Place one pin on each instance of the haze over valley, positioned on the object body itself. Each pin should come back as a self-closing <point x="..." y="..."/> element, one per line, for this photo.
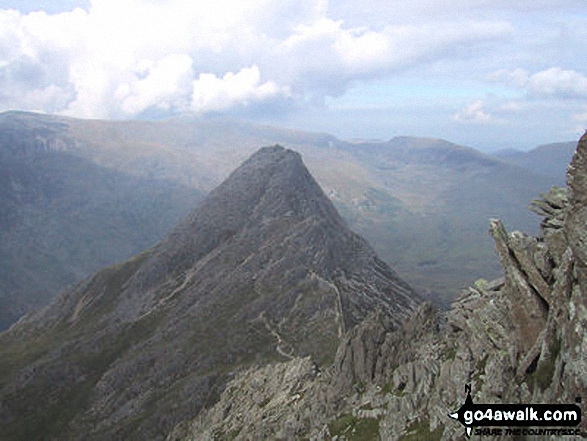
<point x="81" y="194"/>
<point x="263" y="303"/>
<point x="321" y="220"/>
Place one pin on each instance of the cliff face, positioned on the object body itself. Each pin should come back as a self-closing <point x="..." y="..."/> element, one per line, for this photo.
<point x="263" y="270"/>
<point x="63" y="217"/>
<point x="78" y="195"/>
<point x="521" y="339"/>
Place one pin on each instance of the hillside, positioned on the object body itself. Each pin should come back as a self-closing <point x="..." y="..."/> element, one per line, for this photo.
<point x="427" y="211"/>
<point x="421" y="203"/>
<point x="549" y="159"/>
<point x="520" y="339"/>
<point x="263" y="270"/>
<point x="63" y="216"/>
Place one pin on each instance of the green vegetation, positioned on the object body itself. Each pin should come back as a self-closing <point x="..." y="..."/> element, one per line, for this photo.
<point x="62" y="402"/>
<point x="121" y="185"/>
<point x="230" y="436"/>
<point x="476" y="377"/>
<point x="425" y="231"/>
<point x="420" y="431"/>
<point x="449" y="352"/>
<point x="396" y="392"/>
<point x="63" y="399"/>
<point x="65" y="216"/>
<point x="52" y="419"/>
<point x="480" y="284"/>
<point x="107" y="285"/>
<point x="265" y="402"/>
<point x="542" y="376"/>
<point x="103" y="290"/>
<point x="355" y="429"/>
<point x="388" y="388"/>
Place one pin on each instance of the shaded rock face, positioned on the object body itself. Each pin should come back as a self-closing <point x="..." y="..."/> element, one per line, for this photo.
<point x="519" y="339"/>
<point x="271" y="221"/>
<point x="264" y="270"/>
<point x="63" y="217"/>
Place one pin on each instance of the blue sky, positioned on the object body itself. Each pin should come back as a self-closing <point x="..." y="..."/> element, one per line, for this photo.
<point x="488" y="74"/>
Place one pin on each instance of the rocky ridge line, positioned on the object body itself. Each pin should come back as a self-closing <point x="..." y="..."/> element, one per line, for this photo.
<point x="520" y="339"/>
<point x="263" y="270"/>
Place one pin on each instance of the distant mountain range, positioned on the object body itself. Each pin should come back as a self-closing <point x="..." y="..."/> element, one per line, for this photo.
<point x="264" y="270"/>
<point x="63" y="216"/>
<point x="512" y="341"/>
<point x="76" y="195"/>
<point x="549" y="159"/>
<point x="263" y="316"/>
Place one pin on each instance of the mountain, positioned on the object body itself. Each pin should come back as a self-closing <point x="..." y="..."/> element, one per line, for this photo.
<point x="520" y="339"/>
<point x="426" y="210"/>
<point x="548" y="159"/>
<point x="264" y="270"/>
<point x="421" y="203"/>
<point x="63" y="217"/>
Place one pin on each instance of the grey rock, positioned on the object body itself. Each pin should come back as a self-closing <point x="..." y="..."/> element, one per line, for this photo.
<point x="264" y="270"/>
<point x="520" y="339"/>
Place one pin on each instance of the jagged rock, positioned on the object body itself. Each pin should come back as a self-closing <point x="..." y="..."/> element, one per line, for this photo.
<point x="264" y="270"/>
<point x="576" y="217"/>
<point x="524" y="282"/>
<point x="520" y="339"/>
<point x="254" y="401"/>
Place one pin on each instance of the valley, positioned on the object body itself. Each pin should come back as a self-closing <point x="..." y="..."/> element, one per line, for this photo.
<point x="81" y="194"/>
<point x="263" y="302"/>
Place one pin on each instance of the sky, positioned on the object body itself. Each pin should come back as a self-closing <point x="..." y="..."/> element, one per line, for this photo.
<point x="489" y="74"/>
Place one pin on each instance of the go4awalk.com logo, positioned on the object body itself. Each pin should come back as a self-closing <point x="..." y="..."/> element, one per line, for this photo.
<point x="515" y="419"/>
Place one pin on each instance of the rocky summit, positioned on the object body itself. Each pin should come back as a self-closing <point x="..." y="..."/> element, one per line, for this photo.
<point x="262" y="317"/>
<point x="518" y="339"/>
<point x="263" y="273"/>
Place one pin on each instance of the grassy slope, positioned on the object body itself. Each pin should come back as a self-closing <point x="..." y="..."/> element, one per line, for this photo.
<point x="548" y="159"/>
<point x="425" y="206"/>
<point x="63" y="375"/>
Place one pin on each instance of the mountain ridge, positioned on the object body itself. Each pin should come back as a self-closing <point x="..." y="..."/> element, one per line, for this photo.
<point x="519" y="339"/>
<point x="63" y="216"/>
<point x="263" y="270"/>
<point x="547" y="159"/>
<point x="404" y="206"/>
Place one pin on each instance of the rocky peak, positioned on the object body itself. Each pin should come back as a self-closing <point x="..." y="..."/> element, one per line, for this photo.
<point x="519" y="339"/>
<point x="272" y="186"/>
<point x="263" y="270"/>
<point x="270" y="227"/>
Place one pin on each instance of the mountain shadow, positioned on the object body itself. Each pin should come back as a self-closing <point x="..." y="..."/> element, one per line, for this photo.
<point x="62" y="216"/>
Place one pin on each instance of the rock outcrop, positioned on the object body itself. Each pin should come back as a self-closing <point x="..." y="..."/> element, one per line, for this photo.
<point x="264" y="270"/>
<point x="519" y="339"/>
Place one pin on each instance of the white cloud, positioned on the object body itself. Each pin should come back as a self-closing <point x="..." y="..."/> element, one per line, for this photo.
<point x="552" y="82"/>
<point x="325" y="57"/>
<point x="556" y="81"/>
<point x="163" y="84"/>
<point x="580" y="122"/>
<point x="211" y="93"/>
<point x="121" y="58"/>
<point x="511" y="106"/>
<point x="474" y="113"/>
<point x="517" y="77"/>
